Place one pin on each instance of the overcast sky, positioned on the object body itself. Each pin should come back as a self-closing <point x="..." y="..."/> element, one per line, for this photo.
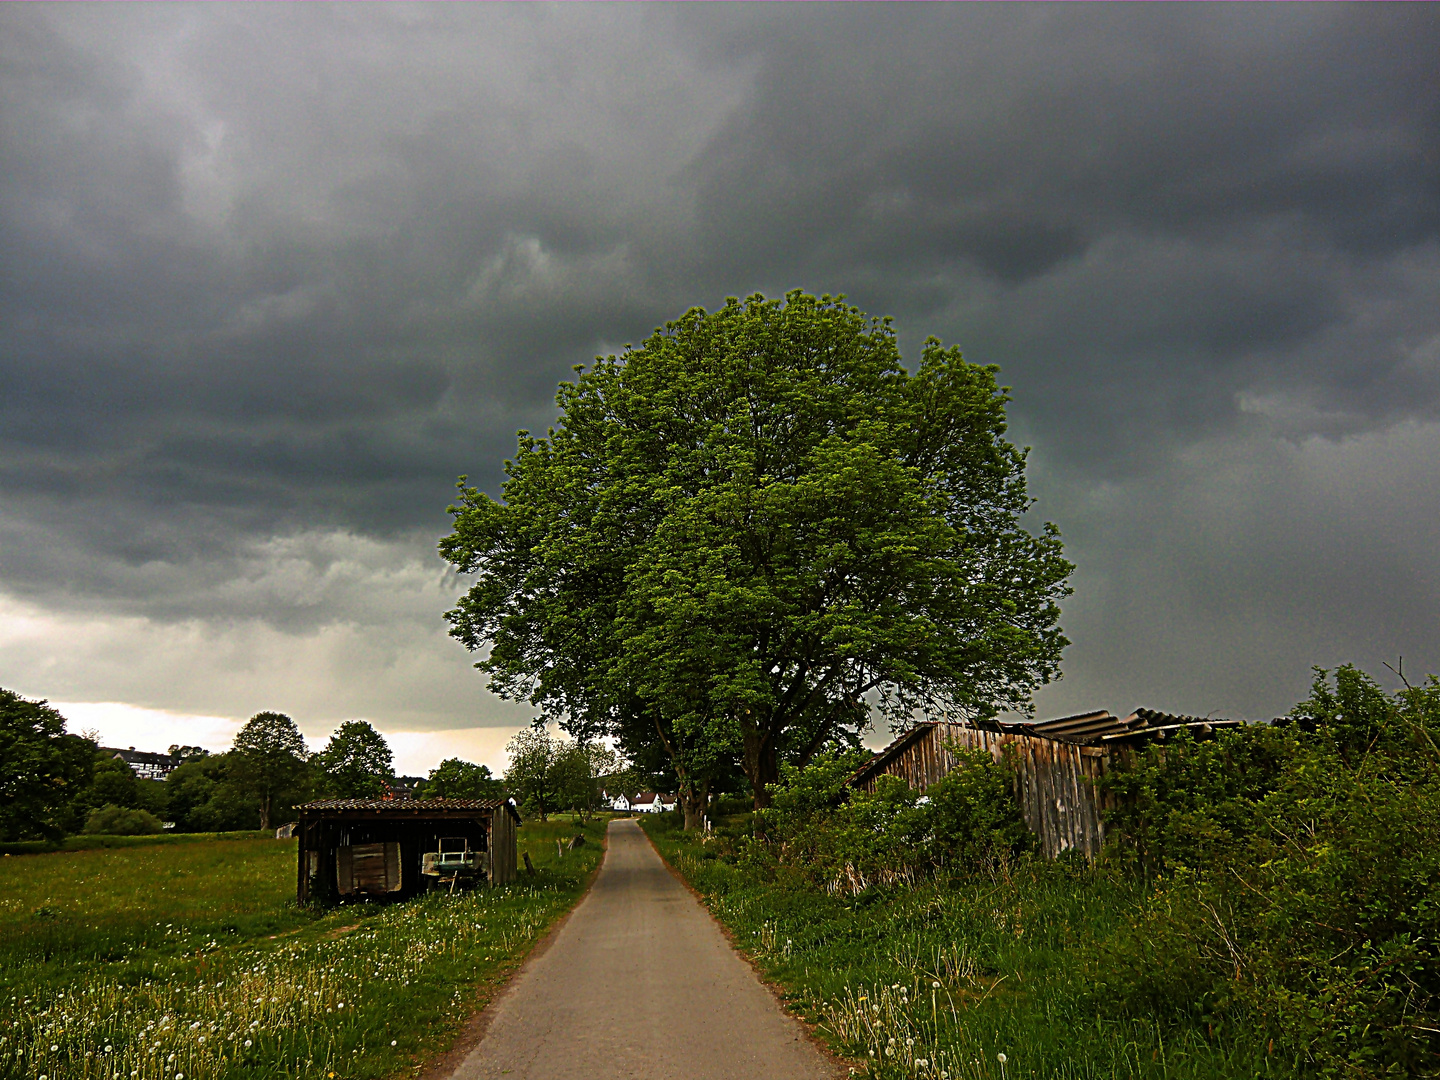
<point x="272" y="276"/>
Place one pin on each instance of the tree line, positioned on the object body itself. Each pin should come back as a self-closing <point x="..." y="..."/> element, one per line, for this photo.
<point x="54" y="783"/>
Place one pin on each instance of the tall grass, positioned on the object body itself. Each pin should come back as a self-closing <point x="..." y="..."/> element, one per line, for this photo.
<point x="161" y="963"/>
<point x="941" y="978"/>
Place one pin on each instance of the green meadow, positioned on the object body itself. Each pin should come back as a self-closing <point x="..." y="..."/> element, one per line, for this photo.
<point x="187" y="961"/>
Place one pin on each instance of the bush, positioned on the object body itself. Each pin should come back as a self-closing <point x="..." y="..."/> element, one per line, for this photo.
<point x="1298" y="893"/>
<point x="112" y="820"/>
<point x="845" y="840"/>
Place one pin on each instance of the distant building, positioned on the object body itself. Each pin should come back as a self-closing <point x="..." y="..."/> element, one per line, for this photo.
<point x="616" y="802"/>
<point x="649" y="802"/>
<point x="145" y="765"/>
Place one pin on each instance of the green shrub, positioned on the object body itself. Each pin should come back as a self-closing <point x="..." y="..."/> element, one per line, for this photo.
<point x="115" y="820"/>
<point x="1300" y="894"/>
<point x="845" y="840"/>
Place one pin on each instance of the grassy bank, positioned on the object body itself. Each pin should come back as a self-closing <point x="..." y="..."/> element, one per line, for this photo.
<point x="942" y="978"/>
<point x="138" y="963"/>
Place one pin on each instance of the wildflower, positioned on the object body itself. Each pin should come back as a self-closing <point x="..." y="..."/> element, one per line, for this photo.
<point x="1001" y="1058"/>
<point x="935" y="985"/>
<point x="247" y="1044"/>
<point x="392" y="1042"/>
<point x="107" y="1048"/>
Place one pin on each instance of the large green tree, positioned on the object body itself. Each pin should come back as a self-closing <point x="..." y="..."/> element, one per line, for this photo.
<point x="356" y="763"/>
<point x="455" y="778"/>
<point x="530" y="776"/>
<point x="268" y="762"/>
<point x="754" y="531"/>
<point x="42" y="770"/>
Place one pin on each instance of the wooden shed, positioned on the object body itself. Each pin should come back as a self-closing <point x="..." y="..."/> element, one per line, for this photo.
<point x="354" y="849"/>
<point x="1056" y="765"/>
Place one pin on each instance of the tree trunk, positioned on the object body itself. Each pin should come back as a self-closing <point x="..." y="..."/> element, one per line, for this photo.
<point x="693" y="800"/>
<point x="265" y="811"/>
<point x="762" y="766"/>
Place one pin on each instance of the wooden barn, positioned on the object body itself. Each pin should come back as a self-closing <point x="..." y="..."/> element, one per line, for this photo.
<point x="372" y="849"/>
<point x="1056" y="764"/>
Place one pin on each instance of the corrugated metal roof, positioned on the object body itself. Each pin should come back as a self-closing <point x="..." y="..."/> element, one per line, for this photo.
<point x="412" y="805"/>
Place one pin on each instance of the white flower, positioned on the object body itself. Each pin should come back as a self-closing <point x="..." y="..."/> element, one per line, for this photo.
<point x="247" y="1042"/>
<point x="392" y="1042"/>
<point x="934" y="986"/>
<point x="1001" y="1058"/>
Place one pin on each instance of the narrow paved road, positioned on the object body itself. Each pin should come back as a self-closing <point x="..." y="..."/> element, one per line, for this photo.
<point x="640" y="984"/>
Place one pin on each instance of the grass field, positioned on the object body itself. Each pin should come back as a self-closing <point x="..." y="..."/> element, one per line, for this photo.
<point x="193" y="961"/>
<point x="939" y="980"/>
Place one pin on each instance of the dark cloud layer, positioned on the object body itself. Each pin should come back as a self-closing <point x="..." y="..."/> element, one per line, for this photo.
<point x="274" y="276"/>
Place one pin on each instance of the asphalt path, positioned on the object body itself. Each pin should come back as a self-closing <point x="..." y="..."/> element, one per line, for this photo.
<point x="640" y="984"/>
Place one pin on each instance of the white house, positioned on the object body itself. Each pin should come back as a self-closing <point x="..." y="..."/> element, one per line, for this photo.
<point x="648" y="802"/>
<point x="617" y="802"/>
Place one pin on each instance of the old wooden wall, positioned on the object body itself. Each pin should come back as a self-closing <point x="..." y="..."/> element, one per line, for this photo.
<point x="502" y="847"/>
<point x="1054" y="780"/>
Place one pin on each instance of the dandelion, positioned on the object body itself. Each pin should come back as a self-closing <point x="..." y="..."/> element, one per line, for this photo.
<point x="392" y="1042"/>
<point x="935" y="985"/>
<point x="247" y="1044"/>
<point x="1001" y="1058"/>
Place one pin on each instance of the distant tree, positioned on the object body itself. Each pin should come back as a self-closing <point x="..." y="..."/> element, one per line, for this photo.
<point x="356" y="763"/>
<point x="187" y="753"/>
<point x="747" y="534"/>
<point x="202" y="796"/>
<point x="112" y="782"/>
<point x="112" y="820"/>
<point x="457" y="779"/>
<point x="42" y="770"/>
<point x="268" y="761"/>
<point x="530" y="777"/>
<point x="575" y="775"/>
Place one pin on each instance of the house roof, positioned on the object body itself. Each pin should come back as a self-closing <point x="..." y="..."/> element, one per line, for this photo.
<point x="413" y="806"/>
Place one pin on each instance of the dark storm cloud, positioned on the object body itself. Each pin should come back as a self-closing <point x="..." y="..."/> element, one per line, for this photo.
<point x="283" y="272"/>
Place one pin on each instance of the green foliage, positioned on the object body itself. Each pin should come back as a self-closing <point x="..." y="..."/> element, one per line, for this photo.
<point x="1300" y="876"/>
<point x="530" y="777"/>
<point x="457" y="779"/>
<point x="846" y="840"/>
<point x="202" y="795"/>
<point x="1010" y="946"/>
<point x="742" y="528"/>
<point x="42" y="770"/>
<point x="115" y="820"/>
<point x="576" y="773"/>
<point x="268" y="762"/>
<point x="356" y="763"/>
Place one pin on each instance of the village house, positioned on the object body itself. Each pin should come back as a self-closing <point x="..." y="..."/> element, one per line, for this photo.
<point x="146" y="766"/>
<point x="650" y="802"/>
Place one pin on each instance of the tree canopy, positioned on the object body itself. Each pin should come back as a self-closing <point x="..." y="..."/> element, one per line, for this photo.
<point x="356" y="763"/>
<point x="268" y="761"/>
<point x="748" y="534"/>
<point x="42" y="769"/>
<point x="455" y="778"/>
